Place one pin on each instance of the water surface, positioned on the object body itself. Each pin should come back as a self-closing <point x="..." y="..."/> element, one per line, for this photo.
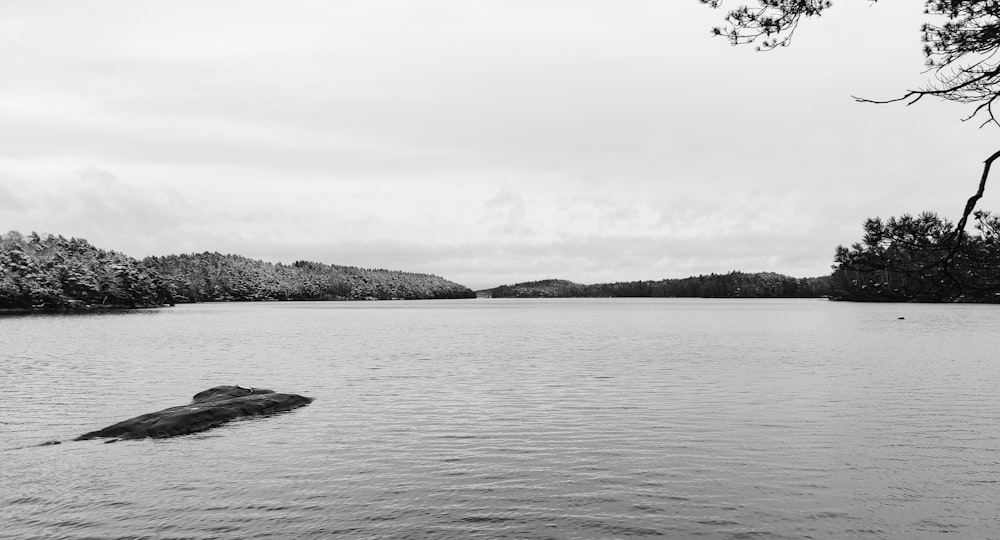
<point x="575" y="418"/>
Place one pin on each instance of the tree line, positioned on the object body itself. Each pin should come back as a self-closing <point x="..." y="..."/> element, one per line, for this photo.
<point x="54" y="273"/>
<point x="208" y="277"/>
<point x="919" y="258"/>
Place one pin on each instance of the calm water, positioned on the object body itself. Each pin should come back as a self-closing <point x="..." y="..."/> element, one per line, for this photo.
<point x="512" y="418"/>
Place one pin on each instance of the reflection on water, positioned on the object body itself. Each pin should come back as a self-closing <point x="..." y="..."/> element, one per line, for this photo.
<point x="512" y="418"/>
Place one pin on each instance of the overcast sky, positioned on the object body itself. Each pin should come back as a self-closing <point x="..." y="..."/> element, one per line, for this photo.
<point x="488" y="142"/>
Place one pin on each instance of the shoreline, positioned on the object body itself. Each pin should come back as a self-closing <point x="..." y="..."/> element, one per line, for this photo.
<point x="72" y="310"/>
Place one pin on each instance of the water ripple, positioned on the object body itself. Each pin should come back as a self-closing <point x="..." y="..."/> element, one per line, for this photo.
<point x="512" y="419"/>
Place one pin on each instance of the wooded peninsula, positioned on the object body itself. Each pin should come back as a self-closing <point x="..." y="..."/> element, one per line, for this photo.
<point x="55" y="273"/>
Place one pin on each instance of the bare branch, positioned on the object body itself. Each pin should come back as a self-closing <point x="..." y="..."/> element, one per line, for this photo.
<point x="970" y="205"/>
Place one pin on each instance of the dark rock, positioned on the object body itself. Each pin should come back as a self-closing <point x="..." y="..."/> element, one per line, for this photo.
<point x="208" y="409"/>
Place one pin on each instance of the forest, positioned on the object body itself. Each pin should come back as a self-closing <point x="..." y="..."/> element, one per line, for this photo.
<point x="731" y="285"/>
<point x="54" y="273"/>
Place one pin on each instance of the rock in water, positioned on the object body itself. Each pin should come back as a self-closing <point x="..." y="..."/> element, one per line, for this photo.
<point x="208" y="409"/>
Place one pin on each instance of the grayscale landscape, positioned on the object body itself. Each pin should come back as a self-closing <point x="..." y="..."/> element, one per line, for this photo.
<point x="441" y="269"/>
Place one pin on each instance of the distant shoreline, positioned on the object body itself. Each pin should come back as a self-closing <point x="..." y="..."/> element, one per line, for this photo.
<point x="731" y="285"/>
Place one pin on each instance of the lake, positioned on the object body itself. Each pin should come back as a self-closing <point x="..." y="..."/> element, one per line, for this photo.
<point x="575" y="418"/>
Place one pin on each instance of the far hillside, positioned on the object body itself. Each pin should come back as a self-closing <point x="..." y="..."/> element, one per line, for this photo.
<point x="731" y="285"/>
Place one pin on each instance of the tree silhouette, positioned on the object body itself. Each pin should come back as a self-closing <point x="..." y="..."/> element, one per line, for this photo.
<point x="900" y="259"/>
<point x="962" y="53"/>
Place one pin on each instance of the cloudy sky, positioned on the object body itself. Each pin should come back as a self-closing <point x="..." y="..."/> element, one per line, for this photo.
<point x="489" y="141"/>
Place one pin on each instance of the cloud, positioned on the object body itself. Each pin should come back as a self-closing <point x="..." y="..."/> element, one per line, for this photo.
<point x="507" y="210"/>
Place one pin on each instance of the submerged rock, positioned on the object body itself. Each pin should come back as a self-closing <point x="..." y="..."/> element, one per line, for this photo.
<point x="208" y="409"/>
